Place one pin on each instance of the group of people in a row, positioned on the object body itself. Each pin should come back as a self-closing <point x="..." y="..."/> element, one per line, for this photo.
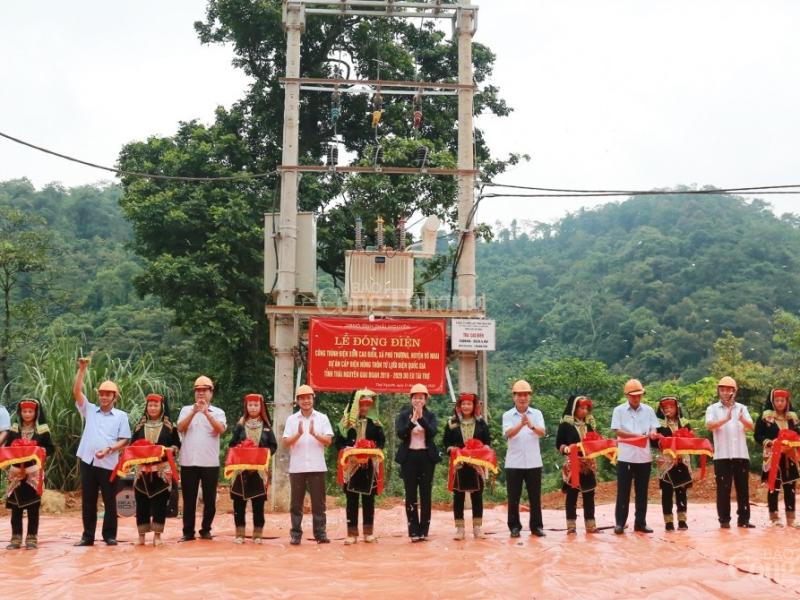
<point x="360" y="439"/>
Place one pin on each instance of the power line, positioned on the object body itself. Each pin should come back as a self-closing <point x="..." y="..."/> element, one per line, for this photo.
<point x="786" y="189"/>
<point x="642" y="193"/>
<point x="242" y="177"/>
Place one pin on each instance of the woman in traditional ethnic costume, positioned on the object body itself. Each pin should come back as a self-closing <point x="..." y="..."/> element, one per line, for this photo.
<point x="674" y="473"/>
<point x="776" y="417"/>
<point x="576" y="422"/>
<point x="254" y="426"/>
<point x="465" y="424"/>
<point x="153" y="481"/>
<point x="360" y="476"/>
<point x="28" y="427"/>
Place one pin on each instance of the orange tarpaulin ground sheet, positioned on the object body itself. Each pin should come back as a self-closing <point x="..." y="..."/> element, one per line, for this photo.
<point x="704" y="562"/>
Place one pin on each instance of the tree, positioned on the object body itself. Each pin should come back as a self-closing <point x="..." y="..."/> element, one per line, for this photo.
<point x="24" y="253"/>
<point x="202" y="244"/>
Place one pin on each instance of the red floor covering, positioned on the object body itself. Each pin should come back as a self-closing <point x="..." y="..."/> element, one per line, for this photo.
<point x="703" y="562"/>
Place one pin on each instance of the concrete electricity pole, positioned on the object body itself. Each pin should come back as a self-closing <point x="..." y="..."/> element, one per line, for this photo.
<point x="285" y="332"/>
<point x="465" y="25"/>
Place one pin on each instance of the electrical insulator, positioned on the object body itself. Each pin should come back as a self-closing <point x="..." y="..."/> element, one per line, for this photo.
<point x="379" y="233"/>
<point x="378" y="155"/>
<point x="359" y="235"/>
<point x="417" y="119"/>
<point x="377" y="101"/>
<point x="422" y="156"/>
<point x="401" y="235"/>
<point x="376" y="118"/>
<point x="333" y="155"/>
<point x="336" y="112"/>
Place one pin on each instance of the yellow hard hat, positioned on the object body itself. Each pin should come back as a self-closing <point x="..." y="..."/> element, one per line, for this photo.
<point x="203" y="382"/>
<point x="728" y="381"/>
<point x="521" y="387"/>
<point x="633" y="387"/>
<point x="304" y="390"/>
<point x="419" y="388"/>
<point x="108" y="386"/>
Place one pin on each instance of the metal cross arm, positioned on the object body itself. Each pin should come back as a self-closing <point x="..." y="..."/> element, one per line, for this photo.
<point x="436" y="9"/>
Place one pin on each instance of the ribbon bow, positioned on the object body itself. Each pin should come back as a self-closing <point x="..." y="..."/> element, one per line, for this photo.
<point x="786" y="443"/>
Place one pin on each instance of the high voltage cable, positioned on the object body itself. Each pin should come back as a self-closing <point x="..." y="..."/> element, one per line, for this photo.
<point x="243" y="177"/>
<point x="551" y="192"/>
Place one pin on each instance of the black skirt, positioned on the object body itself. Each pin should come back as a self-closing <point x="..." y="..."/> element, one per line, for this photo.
<point x="247" y="485"/>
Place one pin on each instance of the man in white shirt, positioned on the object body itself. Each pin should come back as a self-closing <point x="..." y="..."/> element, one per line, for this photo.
<point x="106" y="431"/>
<point x="5" y="424"/>
<point x="633" y="421"/>
<point x="729" y="421"/>
<point x="307" y="433"/>
<point x="523" y="426"/>
<point x="200" y="425"/>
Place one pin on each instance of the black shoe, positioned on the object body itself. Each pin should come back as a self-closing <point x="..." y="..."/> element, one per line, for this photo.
<point x="642" y="529"/>
<point x="515" y="532"/>
<point x="724" y="525"/>
<point x="619" y="529"/>
<point x="323" y="539"/>
<point x="682" y="525"/>
<point x="84" y="542"/>
<point x="571" y="531"/>
<point x="295" y="541"/>
<point x="747" y="526"/>
<point x="538" y="532"/>
<point x="206" y="535"/>
<point x="186" y="538"/>
<point x="669" y="527"/>
<point x="110" y="541"/>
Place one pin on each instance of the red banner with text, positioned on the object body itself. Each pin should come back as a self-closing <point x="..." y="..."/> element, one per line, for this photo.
<point x="387" y="355"/>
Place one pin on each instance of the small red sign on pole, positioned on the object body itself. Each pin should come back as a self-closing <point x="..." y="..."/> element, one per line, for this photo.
<point x="388" y="355"/>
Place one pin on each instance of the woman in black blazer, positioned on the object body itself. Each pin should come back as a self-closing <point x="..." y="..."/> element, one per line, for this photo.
<point x="417" y="456"/>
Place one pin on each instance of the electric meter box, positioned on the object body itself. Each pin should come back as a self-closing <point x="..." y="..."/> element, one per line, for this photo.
<point x="306" y="253"/>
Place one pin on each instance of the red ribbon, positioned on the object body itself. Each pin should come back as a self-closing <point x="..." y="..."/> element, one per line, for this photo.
<point x="473" y="449"/>
<point x="683" y="442"/>
<point x="21" y="451"/>
<point x="785" y="443"/>
<point x="592" y="442"/>
<point x="639" y="442"/>
<point x="359" y="456"/>
<point x="144" y="449"/>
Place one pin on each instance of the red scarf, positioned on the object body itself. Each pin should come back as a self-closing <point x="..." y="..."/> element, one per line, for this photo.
<point x="474" y="453"/>
<point x="683" y="442"/>
<point x="786" y="443"/>
<point x="592" y="446"/>
<point x="363" y="451"/>
<point x="142" y="452"/>
<point x="22" y="451"/>
<point x="246" y="456"/>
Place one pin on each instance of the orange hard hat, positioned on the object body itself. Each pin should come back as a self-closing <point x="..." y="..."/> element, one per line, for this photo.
<point x="203" y="382"/>
<point x="304" y="390"/>
<point x="108" y="386"/>
<point x="521" y="387"/>
<point x="633" y="387"/>
<point x="419" y="388"/>
<point x="728" y="381"/>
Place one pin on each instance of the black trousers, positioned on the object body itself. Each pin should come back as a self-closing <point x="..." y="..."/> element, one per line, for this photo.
<point x="788" y="498"/>
<point x="151" y="512"/>
<point x="733" y="471"/>
<point x="477" y="504"/>
<point x="417" y="473"/>
<point x="637" y="474"/>
<point x="239" y="507"/>
<point x="368" y="508"/>
<point x="33" y="519"/>
<point x="191" y="480"/>
<point x="95" y="481"/>
<point x="532" y="478"/>
<point x="315" y="484"/>
<point x="572" y="503"/>
<point x="667" y="493"/>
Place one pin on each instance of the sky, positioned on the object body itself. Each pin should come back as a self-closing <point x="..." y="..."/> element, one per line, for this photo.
<point x="622" y="94"/>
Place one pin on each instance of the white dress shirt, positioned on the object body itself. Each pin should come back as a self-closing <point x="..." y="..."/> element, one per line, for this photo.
<point x="5" y="419"/>
<point x="101" y="430"/>
<point x="642" y="420"/>
<point x="307" y="454"/>
<point x="200" y="443"/>
<point x="523" y="449"/>
<point x="729" y="440"/>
